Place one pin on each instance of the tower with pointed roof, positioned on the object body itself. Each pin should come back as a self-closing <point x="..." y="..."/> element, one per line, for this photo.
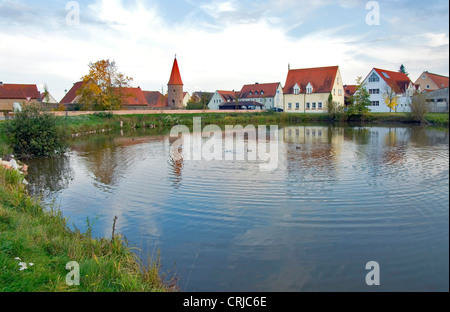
<point x="175" y="87"/>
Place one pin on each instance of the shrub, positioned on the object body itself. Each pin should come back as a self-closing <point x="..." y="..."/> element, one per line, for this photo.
<point x="419" y="108"/>
<point x="34" y="133"/>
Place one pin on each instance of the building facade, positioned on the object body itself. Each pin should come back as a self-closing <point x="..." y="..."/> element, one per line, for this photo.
<point x="307" y="90"/>
<point x="270" y="95"/>
<point x="380" y="83"/>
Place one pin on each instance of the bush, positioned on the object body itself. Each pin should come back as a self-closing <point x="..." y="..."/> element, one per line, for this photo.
<point x="34" y="133"/>
<point x="419" y="108"/>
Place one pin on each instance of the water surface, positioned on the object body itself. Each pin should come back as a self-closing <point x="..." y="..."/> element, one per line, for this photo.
<point x="340" y="197"/>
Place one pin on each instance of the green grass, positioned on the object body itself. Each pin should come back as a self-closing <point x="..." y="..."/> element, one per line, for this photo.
<point x="41" y="236"/>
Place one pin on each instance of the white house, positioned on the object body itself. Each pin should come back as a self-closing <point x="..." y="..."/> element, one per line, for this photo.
<point x="270" y="95"/>
<point x="380" y="82"/>
<point x="221" y="97"/>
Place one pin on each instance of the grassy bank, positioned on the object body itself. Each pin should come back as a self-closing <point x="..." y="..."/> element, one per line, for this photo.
<point x="98" y="123"/>
<point x="41" y="238"/>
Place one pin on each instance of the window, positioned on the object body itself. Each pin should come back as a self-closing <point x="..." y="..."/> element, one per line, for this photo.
<point x="296" y="89"/>
<point x="386" y="75"/>
<point x="375" y="103"/>
<point x="289" y="105"/>
<point x="334" y="91"/>
<point x="262" y="92"/>
<point x="338" y="80"/>
<point x="423" y="77"/>
<point x="297" y="106"/>
<point x="428" y="86"/>
<point x="314" y="105"/>
<point x="340" y="92"/>
<point x="308" y="105"/>
<point x="250" y="93"/>
<point x="374" y="91"/>
<point x="374" y="78"/>
<point x="320" y="105"/>
<point x="308" y="90"/>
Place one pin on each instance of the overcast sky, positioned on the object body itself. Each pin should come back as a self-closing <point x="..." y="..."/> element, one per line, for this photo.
<point x="219" y="44"/>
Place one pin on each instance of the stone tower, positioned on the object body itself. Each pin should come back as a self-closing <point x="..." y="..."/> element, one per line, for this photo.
<point x="175" y="88"/>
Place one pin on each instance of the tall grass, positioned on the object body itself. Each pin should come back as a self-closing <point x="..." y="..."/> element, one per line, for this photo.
<point x="40" y="235"/>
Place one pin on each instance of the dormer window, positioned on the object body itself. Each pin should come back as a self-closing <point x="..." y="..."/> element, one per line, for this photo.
<point x="309" y="88"/>
<point x="296" y="89"/>
<point x="250" y="93"/>
<point x="262" y="92"/>
<point x="256" y="92"/>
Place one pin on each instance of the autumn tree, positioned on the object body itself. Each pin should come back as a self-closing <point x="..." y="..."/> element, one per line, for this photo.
<point x="390" y="98"/>
<point x="103" y="87"/>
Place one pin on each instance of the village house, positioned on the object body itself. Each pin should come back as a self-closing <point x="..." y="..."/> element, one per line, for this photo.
<point x="14" y="96"/>
<point x="198" y="96"/>
<point x="381" y="82"/>
<point x="155" y="99"/>
<point x="221" y="97"/>
<point x="186" y="98"/>
<point x="432" y="82"/>
<point x="270" y="95"/>
<point x="307" y="90"/>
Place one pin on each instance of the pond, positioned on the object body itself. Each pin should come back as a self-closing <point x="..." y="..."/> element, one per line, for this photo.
<point x="340" y="197"/>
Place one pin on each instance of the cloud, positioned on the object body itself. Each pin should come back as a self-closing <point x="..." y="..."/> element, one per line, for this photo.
<point x="220" y="45"/>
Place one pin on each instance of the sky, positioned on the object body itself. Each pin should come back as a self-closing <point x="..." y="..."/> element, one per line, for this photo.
<point x="220" y="45"/>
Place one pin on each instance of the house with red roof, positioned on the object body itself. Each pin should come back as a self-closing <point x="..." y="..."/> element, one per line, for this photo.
<point x="270" y="95"/>
<point x="307" y="90"/>
<point x="155" y="99"/>
<point x="222" y="96"/>
<point x="432" y="82"/>
<point x="14" y="96"/>
<point x="381" y="82"/>
<point x="349" y="91"/>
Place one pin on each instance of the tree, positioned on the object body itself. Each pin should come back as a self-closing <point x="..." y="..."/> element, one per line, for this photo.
<point x="403" y="70"/>
<point x="103" y="87"/>
<point x="361" y="100"/>
<point x="390" y="98"/>
<point x="419" y="108"/>
<point x="34" y="133"/>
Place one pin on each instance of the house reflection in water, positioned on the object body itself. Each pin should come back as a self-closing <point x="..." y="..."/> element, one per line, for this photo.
<point x="313" y="151"/>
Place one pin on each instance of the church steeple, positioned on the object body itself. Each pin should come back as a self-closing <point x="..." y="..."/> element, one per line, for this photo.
<point x="175" y="87"/>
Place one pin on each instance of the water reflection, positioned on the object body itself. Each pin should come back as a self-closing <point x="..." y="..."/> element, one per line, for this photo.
<point x="49" y="175"/>
<point x="341" y="196"/>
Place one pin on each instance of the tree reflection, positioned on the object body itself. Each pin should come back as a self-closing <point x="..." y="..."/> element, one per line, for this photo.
<point x="49" y="175"/>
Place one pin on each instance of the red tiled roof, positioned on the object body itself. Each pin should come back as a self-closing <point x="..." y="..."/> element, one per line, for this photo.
<point x="70" y="96"/>
<point x="134" y="97"/>
<point x="440" y="81"/>
<point x="155" y="99"/>
<point x="19" y="91"/>
<point x="399" y="82"/>
<point x="175" y="77"/>
<point x="268" y="89"/>
<point x="349" y="90"/>
<point x="321" y="78"/>
<point x="228" y="95"/>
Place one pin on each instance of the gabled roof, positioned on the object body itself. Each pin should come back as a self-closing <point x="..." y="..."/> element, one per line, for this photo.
<point x="228" y="95"/>
<point x="322" y="78"/>
<point x="440" y="81"/>
<point x="155" y="99"/>
<point x="70" y="96"/>
<point x="134" y="97"/>
<point x="175" y="77"/>
<point x="19" y="91"/>
<point x="269" y="90"/>
<point x="349" y="90"/>
<point x="399" y="82"/>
